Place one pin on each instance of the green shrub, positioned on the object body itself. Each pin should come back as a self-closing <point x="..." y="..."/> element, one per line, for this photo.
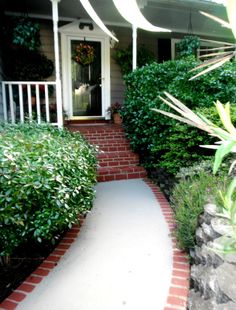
<point x="123" y="58"/>
<point x="196" y="187"/>
<point x="181" y="146"/>
<point x="46" y="181"/>
<point x="188" y="46"/>
<point x="154" y="136"/>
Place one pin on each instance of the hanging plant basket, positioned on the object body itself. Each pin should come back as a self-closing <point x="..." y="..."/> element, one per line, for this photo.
<point x="84" y="54"/>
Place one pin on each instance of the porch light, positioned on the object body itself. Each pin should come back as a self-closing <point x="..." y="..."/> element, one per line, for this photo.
<point x="89" y="9"/>
<point x="130" y="11"/>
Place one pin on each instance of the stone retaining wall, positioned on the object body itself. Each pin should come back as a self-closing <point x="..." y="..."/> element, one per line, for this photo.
<point x="213" y="275"/>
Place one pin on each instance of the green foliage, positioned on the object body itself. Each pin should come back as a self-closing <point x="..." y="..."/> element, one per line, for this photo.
<point x="22" y="32"/>
<point x="46" y="177"/>
<point x="188" y="46"/>
<point x="196" y="187"/>
<point x="124" y="58"/>
<point x="25" y="65"/>
<point x="180" y="148"/>
<point x="26" y="34"/>
<point x="160" y="141"/>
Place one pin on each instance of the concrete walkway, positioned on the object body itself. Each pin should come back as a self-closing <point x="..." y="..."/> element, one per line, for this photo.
<point x="122" y="258"/>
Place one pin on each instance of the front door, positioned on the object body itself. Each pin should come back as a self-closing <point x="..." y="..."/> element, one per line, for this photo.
<point x="86" y="79"/>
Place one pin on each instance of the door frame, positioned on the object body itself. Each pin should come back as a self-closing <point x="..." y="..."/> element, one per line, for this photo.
<point x="73" y="32"/>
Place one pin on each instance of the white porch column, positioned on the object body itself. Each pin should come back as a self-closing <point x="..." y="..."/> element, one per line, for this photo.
<point x="134" y="47"/>
<point x="57" y="63"/>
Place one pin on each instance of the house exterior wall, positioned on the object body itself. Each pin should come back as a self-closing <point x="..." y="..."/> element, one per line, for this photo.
<point x="117" y="84"/>
<point x="47" y="41"/>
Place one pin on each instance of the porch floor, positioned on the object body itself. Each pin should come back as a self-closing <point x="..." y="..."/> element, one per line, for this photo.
<point x="121" y="259"/>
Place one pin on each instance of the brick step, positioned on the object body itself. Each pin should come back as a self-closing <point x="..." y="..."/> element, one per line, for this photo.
<point x="118" y="163"/>
<point x="106" y="142"/>
<point x="108" y="130"/>
<point x="120" y="173"/>
<point x="109" y="155"/>
<point x="115" y="148"/>
<point x="95" y="137"/>
<point x="113" y="159"/>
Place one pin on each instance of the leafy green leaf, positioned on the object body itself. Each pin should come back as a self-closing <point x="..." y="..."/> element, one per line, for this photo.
<point x="223" y="150"/>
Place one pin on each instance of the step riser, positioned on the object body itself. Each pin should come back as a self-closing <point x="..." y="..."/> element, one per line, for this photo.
<point x="104" y="135"/>
<point x="128" y="155"/>
<point x="120" y="173"/>
<point x="110" y="142"/>
<point x="118" y="164"/>
<point x="114" y="148"/>
<point x="126" y="169"/>
<point x="124" y="176"/>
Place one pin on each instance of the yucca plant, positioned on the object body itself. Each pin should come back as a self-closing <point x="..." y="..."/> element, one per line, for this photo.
<point x="226" y="136"/>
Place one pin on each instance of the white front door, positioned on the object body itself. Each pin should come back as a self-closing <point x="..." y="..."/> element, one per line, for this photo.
<point x="86" y="86"/>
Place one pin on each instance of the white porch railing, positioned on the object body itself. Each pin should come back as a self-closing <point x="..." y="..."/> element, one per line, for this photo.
<point x="30" y="101"/>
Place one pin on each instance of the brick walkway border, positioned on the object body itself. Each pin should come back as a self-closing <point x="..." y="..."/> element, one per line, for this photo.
<point x="179" y="289"/>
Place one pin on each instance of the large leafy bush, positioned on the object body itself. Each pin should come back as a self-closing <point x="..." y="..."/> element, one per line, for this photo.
<point x="46" y="181"/>
<point x="156" y="137"/>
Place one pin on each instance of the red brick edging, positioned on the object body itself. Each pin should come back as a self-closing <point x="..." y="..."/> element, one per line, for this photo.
<point x="178" y="291"/>
<point x="11" y="302"/>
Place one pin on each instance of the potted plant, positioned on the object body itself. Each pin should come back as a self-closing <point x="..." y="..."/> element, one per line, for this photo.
<point x="114" y="110"/>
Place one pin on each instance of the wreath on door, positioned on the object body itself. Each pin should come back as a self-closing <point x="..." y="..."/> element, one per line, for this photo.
<point x="84" y="54"/>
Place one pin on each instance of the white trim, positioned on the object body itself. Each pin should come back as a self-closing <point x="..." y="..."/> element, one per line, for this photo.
<point x="173" y="47"/>
<point x="72" y="32"/>
<point x="57" y="63"/>
<point x="134" y="36"/>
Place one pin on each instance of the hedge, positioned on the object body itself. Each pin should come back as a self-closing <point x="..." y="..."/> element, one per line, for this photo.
<point x="46" y="181"/>
<point x="156" y="137"/>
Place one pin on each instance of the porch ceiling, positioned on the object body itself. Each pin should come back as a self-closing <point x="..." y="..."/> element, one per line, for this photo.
<point x="172" y="14"/>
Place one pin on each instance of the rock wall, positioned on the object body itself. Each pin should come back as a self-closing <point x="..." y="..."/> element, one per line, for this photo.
<point x="213" y="275"/>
